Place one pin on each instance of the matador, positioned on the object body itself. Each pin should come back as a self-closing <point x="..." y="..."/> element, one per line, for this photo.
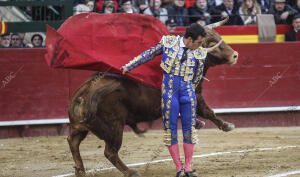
<point x="182" y="63"/>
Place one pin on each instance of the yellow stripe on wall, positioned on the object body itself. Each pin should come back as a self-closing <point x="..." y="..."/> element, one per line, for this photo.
<point x="240" y="38"/>
<point x="3" y="27"/>
<point x="233" y="39"/>
<point x="280" y="38"/>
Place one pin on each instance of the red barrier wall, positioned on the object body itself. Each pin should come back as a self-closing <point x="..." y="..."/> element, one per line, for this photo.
<point x="267" y="74"/>
<point x="30" y="89"/>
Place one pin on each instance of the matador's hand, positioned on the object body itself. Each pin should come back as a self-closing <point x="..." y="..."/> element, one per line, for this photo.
<point x="124" y="69"/>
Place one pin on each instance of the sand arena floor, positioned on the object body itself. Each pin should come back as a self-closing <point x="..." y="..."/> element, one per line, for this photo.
<point x="247" y="152"/>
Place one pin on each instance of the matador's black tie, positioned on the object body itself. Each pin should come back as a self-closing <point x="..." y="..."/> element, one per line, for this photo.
<point x="184" y="55"/>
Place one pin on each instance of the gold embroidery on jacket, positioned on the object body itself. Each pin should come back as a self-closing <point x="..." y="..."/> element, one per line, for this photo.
<point x="200" y="53"/>
<point x="171" y="63"/>
<point x="171" y="47"/>
<point x="169" y="41"/>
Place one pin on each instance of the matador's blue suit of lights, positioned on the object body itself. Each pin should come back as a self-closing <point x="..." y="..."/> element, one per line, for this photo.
<point x="179" y="82"/>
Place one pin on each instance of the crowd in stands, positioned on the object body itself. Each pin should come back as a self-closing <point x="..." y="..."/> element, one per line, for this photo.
<point x="16" y="40"/>
<point x="175" y="13"/>
<point x="185" y="12"/>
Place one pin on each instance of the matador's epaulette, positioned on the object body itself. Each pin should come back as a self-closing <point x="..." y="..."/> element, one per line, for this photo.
<point x="169" y="41"/>
<point x="200" y="53"/>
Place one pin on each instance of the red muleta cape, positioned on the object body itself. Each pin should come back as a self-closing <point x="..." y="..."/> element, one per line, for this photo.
<point x="105" y="42"/>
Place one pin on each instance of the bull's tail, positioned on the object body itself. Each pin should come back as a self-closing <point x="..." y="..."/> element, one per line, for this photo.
<point x="98" y="96"/>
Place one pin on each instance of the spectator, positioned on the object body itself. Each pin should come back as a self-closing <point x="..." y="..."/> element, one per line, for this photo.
<point x="219" y="2"/>
<point x="248" y="11"/>
<point x="90" y="5"/>
<point x="127" y="7"/>
<point x="297" y="6"/>
<point x="265" y="5"/>
<point x="5" y="40"/>
<point x="291" y="2"/>
<point x="142" y="4"/>
<point x="229" y="8"/>
<point x="200" y="11"/>
<point x="22" y="36"/>
<point x="283" y="13"/>
<point x="15" y="41"/>
<point x="84" y="8"/>
<point x="37" y="41"/>
<point x="137" y="3"/>
<point x="171" y="24"/>
<point x="177" y="10"/>
<point x="213" y="3"/>
<point x="291" y="35"/>
<point x="156" y="11"/>
<point x="100" y="5"/>
<point x="108" y="7"/>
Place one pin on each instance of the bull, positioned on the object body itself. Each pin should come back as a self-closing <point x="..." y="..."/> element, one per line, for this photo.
<point x="106" y="102"/>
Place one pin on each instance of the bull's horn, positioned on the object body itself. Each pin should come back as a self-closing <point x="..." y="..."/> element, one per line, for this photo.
<point x="213" y="47"/>
<point x="217" y="24"/>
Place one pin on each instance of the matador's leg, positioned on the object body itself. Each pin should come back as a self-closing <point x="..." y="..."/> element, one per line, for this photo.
<point x="188" y="120"/>
<point x="170" y="108"/>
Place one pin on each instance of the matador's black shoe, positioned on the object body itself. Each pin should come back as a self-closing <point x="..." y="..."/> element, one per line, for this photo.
<point x="191" y="174"/>
<point x="180" y="173"/>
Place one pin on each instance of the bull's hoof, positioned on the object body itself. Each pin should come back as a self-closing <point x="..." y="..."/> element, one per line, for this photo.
<point x="226" y="127"/>
<point x="79" y="172"/>
<point x="139" y="132"/>
<point x="199" y="124"/>
<point x="131" y="173"/>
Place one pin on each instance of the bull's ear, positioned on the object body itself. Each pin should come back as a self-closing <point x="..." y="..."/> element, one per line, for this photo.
<point x="217" y="24"/>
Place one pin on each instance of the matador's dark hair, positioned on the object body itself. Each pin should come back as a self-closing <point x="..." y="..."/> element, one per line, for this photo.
<point x="194" y="31"/>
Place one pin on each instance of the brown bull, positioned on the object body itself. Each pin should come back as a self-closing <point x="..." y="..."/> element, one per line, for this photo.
<point x="106" y="102"/>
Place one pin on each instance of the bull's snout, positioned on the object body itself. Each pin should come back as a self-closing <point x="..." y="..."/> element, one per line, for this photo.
<point x="235" y="55"/>
<point x="234" y="58"/>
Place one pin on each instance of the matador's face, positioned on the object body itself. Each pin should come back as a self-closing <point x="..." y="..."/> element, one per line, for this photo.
<point x="194" y="44"/>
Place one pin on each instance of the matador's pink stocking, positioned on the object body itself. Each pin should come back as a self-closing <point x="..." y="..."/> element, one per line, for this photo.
<point x="174" y="151"/>
<point x="188" y="153"/>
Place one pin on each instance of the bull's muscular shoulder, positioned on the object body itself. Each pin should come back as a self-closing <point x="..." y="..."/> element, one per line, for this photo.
<point x="169" y="41"/>
<point x="200" y="53"/>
